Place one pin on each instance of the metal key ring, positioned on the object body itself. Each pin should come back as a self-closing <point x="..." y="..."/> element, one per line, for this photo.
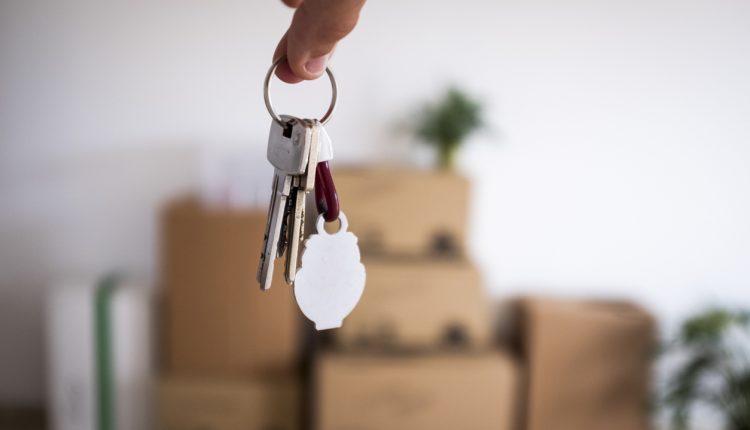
<point x="267" y="93"/>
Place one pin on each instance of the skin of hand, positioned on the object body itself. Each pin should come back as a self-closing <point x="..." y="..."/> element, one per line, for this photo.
<point x="311" y="38"/>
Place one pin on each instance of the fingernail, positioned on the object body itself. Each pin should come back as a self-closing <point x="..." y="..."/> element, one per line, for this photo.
<point x="317" y="65"/>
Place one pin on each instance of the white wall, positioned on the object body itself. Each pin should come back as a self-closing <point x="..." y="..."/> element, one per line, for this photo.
<point x="619" y="163"/>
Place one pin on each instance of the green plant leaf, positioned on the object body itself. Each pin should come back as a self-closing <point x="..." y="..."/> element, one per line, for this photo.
<point x="736" y="400"/>
<point x="684" y="387"/>
<point x="447" y="123"/>
<point x="715" y="374"/>
<point x="710" y="326"/>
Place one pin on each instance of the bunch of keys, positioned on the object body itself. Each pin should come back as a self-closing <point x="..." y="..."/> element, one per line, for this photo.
<point x="293" y="151"/>
<point x="331" y="278"/>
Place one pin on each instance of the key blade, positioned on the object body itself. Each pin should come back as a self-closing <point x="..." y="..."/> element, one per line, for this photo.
<point x="284" y="231"/>
<point x="261" y="270"/>
<point x="295" y="237"/>
<point x="281" y="191"/>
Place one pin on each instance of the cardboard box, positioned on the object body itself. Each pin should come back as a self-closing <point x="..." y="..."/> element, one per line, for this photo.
<point x="190" y="404"/>
<point x="588" y="365"/>
<point x="468" y="392"/>
<point x="419" y="305"/>
<point x="405" y="212"/>
<point x="218" y="322"/>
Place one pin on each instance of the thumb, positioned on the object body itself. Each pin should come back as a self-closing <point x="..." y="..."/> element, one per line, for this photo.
<point x="316" y="28"/>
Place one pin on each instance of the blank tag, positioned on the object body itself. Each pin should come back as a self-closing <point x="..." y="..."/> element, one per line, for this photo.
<point x="332" y="278"/>
<point x="325" y="148"/>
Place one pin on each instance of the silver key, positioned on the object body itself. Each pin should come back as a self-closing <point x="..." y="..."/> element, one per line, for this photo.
<point x="289" y="146"/>
<point x="293" y="227"/>
<point x="295" y="231"/>
<point x="288" y="151"/>
<point x="302" y="186"/>
<point x="282" y="184"/>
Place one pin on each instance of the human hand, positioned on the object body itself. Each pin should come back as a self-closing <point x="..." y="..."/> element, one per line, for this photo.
<point x="316" y="28"/>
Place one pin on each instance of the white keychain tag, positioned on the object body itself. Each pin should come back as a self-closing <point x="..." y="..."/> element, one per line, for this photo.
<point x="325" y="148"/>
<point x="332" y="277"/>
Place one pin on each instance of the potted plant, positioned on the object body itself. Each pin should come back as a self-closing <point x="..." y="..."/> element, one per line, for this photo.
<point x="448" y="122"/>
<point x="714" y="369"/>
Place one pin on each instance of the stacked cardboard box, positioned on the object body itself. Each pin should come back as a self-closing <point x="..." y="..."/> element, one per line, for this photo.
<point x="437" y="391"/>
<point x="211" y="404"/>
<point x="588" y="364"/>
<point x="222" y="336"/>
<point x="419" y="305"/>
<point x="417" y="350"/>
<point x="421" y="292"/>
<point x="404" y="212"/>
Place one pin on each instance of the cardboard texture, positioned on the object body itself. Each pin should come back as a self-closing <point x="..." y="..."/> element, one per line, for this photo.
<point x="404" y="211"/>
<point x="218" y="322"/>
<point x="588" y="365"/>
<point x="468" y="392"/>
<point x="190" y="404"/>
<point x="418" y="305"/>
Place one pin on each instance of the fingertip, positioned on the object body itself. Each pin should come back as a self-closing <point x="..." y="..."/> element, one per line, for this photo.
<point x="316" y="66"/>
<point x="285" y="73"/>
<point x="306" y="68"/>
<point x="294" y="4"/>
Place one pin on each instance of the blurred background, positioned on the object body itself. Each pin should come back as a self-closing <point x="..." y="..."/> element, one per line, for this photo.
<point x="600" y="200"/>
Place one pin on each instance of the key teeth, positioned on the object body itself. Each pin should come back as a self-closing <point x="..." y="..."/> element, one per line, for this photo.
<point x="259" y="272"/>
